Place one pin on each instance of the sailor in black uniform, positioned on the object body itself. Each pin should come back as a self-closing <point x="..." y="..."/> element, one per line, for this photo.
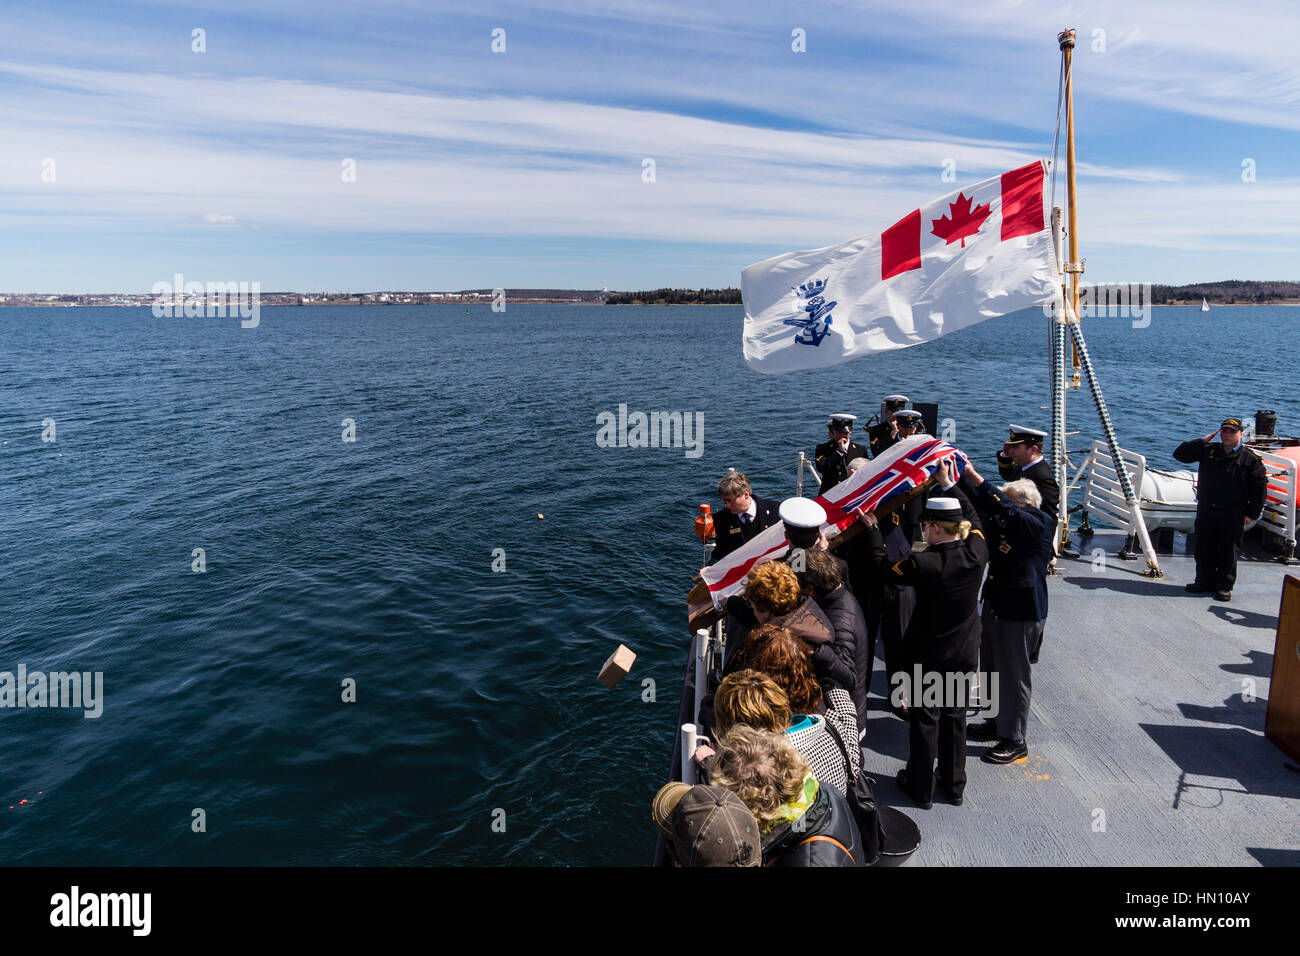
<point x="803" y="519"/>
<point x="908" y="518"/>
<point x="1231" y="487"/>
<point x="745" y="515"/>
<point x="1019" y="536"/>
<point x="834" y="454"/>
<point x="884" y="435"/>
<point x="1022" y="457"/>
<point x="943" y="635"/>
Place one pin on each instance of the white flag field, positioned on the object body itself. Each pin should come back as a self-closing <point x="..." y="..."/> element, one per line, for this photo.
<point x="980" y="252"/>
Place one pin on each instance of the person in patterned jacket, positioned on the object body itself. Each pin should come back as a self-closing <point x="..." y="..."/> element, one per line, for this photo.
<point x="752" y="698"/>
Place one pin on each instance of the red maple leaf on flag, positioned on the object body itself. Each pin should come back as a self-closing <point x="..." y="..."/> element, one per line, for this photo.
<point x="965" y="221"/>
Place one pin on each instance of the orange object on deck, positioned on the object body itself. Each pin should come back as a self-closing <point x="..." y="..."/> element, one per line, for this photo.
<point x="704" y="524"/>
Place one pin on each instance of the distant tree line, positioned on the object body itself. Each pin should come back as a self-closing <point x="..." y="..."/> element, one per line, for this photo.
<point x="1228" y="291"/>
<point x="677" y="297"/>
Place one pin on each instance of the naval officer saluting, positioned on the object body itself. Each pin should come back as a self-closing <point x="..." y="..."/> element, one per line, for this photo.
<point x="1232" y="485"/>
<point x="1022" y="457"/>
<point x="884" y="435"/>
<point x="834" y="454"/>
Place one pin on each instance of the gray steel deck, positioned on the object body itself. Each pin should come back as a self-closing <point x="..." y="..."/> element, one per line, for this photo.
<point x="1137" y="712"/>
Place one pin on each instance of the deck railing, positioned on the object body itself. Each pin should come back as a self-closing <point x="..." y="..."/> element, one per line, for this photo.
<point x="1280" y="504"/>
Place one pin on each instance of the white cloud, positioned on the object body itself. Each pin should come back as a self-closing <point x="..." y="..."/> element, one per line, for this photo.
<point x="542" y="142"/>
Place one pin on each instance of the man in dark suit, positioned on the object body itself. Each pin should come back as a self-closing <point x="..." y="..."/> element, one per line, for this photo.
<point x="884" y="435"/>
<point x="1231" y="488"/>
<point x="1022" y="457"/>
<point x="745" y="515"/>
<point x="1019" y="535"/>
<point x="834" y="454"/>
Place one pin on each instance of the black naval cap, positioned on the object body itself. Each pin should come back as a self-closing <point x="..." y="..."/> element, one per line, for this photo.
<point x="1020" y="435"/>
<point x="1233" y="423"/>
<point x="908" y="416"/>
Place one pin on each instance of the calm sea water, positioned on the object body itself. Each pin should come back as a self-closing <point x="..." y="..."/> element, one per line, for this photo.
<point x="477" y="700"/>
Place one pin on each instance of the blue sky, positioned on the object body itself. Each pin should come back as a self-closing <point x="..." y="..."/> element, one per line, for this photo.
<point x="524" y="168"/>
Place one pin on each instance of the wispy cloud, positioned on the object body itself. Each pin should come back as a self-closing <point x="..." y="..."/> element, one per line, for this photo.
<point x="753" y="145"/>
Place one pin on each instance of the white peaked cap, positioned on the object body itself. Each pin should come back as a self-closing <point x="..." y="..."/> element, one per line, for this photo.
<point x="1022" y="430"/>
<point x="802" y="513"/>
<point x="943" y="506"/>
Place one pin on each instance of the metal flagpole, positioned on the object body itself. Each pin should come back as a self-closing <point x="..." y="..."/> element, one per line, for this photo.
<point x="1065" y="39"/>
<point x="1069" y="320"/>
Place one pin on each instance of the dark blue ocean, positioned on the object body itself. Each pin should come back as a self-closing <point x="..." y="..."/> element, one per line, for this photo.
<point x="476" y="692"/>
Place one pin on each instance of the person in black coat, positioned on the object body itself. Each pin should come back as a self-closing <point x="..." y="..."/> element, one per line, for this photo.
<point x="743" y="517"/>
<point x="884" y="435"/>
<point x="942" y="637"/>
<point x="1019" y="536"/>
<point x="823" y="576"/>
<point x="865" y="582"/>
<point x="833" y="455"/>
<point x="1022" y="457"/>
<point x="826" y="835"/>
<point x="1232" y="484"/>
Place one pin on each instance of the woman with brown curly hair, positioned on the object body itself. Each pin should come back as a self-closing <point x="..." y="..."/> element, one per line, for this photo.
<point x="773" y="593"/>
<point x="777" y="652"/>
<point x="772" y="590"/>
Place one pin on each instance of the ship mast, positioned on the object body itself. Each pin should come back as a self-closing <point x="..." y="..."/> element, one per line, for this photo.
<point x="1073" y="267"/>
<point x="1065" y="324"/>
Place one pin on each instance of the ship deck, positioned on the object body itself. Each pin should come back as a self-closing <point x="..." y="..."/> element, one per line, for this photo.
<point x="1142" y="749"/>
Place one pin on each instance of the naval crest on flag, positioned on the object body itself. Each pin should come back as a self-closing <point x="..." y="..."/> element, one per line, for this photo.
<point x="814" y="325"/>
<point x="980" y="252"/>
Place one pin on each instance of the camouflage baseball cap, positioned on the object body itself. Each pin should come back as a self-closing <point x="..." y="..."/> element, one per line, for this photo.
<point x="707" y="826"/>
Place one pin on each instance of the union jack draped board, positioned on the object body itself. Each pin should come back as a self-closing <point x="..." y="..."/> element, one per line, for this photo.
<point x="881" y="485"/>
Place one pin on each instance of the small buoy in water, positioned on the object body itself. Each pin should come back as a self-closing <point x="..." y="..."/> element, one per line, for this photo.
<point x="539" y="516"/>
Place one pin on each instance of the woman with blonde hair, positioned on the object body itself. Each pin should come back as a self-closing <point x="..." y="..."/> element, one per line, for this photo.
<point x="828" y="743"/>
<point x="802" y="822"/>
